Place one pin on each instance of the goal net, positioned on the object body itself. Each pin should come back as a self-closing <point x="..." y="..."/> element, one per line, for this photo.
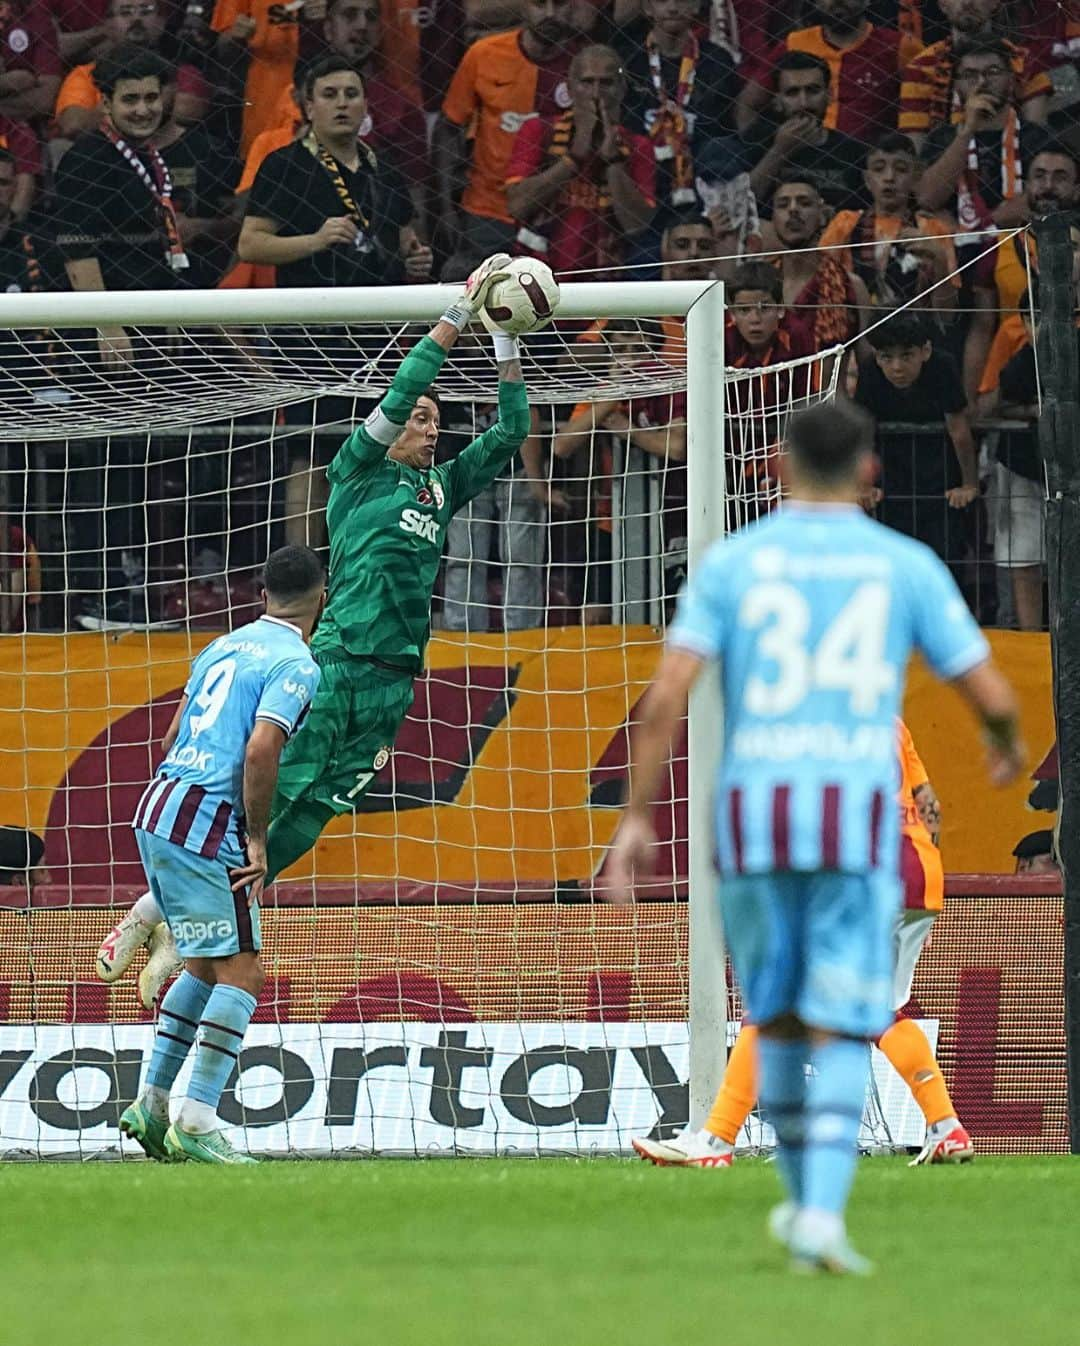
<point x="442" y="977"/>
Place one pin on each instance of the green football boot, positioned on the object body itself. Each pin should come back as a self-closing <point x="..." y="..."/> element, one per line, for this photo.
<point x="137" y="1122"/>
<point x="209" y="1147"/>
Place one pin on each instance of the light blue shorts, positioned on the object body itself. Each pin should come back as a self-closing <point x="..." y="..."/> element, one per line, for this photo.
<point x="207" y="919"/>
<point x="819" y="946"/>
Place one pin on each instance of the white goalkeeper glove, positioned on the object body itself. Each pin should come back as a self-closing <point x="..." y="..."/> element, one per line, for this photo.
<point x="465" y="309"/>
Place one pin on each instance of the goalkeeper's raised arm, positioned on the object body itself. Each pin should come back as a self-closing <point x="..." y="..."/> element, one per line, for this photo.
<point x="386" y="427"/>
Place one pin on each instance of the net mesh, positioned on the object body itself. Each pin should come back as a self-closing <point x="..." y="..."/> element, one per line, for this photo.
<point x="440" y="977"/>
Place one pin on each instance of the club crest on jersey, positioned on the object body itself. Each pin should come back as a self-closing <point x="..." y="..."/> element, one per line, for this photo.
<point x="381" y="759"/>
<point x="437" y="492"/>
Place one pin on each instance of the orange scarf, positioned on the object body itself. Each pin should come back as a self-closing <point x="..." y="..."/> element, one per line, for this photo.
<point x="669" y="131"/>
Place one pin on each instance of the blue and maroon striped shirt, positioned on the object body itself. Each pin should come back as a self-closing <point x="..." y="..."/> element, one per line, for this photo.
<point x="262" y="671"/>
<point x="814" y="613"/>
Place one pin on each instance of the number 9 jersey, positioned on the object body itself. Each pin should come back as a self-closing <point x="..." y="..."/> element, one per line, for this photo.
<point x="262" y="671"/>
<point x="814" y="613"/>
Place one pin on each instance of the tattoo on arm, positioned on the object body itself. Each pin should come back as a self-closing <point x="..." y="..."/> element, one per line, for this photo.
<point x="929" y="809"/>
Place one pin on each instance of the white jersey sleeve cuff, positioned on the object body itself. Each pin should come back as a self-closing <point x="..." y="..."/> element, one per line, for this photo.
<point x="679" y="638"/>
<point x="271" y="718"/>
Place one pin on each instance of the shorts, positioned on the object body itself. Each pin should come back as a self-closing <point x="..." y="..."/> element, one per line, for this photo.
<point x="910" y="933"/>
<point x="207" y="919"/>
<point x="346" y="737"/>
<point x="1019" y="527"/>
<point x="815" y="945"/>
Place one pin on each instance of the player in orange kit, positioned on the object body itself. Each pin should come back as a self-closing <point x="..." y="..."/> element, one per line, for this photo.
<point x="904" y="1043"/>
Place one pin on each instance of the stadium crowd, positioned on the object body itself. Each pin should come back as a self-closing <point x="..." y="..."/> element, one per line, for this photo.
<point x="832" y="162"/>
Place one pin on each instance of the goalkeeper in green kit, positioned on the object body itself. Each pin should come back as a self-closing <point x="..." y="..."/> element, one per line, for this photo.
<point x="387" y="515"/>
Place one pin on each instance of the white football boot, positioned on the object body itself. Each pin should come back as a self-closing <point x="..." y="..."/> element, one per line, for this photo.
<point x="164" y="962"/>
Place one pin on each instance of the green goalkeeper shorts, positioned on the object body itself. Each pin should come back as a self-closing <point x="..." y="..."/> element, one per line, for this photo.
<point x="346" y="737"/>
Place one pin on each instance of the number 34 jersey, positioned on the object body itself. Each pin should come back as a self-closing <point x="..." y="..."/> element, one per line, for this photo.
<point x="262" y="671"/>
<point x="814" y="613"/>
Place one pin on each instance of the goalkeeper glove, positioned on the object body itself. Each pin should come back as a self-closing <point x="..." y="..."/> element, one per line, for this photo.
<point x="465" y="309"/>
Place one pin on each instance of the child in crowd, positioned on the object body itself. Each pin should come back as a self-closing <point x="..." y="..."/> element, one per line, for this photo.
<point x="925" y="474"/>
<point x="759" y="335"/>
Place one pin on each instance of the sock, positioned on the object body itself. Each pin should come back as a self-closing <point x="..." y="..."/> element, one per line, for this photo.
<point x="909" y="1052"/>
<point x="738" y="1088"/>
<point x="292" y="834"/>
<point x="835" y="1097"/>
<point x="178" y="1020"/>
<point x="148" y="910"/>
<point x="783" y="1101"/>
<point x="224" y="1023"/>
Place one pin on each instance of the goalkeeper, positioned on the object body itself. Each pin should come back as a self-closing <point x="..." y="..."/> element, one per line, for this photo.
<point x="387" y="515"/>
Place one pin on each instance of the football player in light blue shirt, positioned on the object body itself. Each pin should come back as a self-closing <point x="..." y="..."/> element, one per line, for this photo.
<point x="813" y="613"/>
<point x="201" y="828"/>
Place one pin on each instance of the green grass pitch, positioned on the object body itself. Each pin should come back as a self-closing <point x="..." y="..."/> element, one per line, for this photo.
<point x="527" y="1253"/>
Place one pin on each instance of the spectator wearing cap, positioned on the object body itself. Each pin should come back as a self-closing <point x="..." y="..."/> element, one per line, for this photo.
<point x="680" y="94"/>
<point x="116" y="219"/>
<point x="1035" y="853"/>
<point x="141" y="23"/>
<point x="864" y="59"/>
<point x="582" y="186"/>
<point x="975" y="168"/>
<point x="30" y="61"/>
<point x="502" y="83"/>
<point x="931" y="95"/>
<point x="21" y="854"/>
<point x="793" y="139"/>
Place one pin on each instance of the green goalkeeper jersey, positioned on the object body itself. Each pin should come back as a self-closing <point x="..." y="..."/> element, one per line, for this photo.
<point x="387" y="522"/>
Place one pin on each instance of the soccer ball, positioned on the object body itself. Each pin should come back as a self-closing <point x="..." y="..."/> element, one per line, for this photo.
<point x="525" y="301"/>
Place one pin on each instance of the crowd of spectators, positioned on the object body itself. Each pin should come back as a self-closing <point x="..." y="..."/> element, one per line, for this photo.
<point x="833" y="161"/>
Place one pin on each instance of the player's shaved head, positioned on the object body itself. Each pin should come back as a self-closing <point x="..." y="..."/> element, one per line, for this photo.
<point x="291" y="575"/>
<point x="827" y="443"/>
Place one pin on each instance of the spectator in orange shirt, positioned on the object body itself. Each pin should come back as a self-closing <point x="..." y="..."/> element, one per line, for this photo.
<point x="929" y="94"/>
<point x="267" y="34"/>
<point x="864" y="62"/>
<point x="78" y="104"/>
<point x="582" y="186"/>
<point x="30" y="62"/>
<point x="502" y="82"/>
<point x="891" y="272"/>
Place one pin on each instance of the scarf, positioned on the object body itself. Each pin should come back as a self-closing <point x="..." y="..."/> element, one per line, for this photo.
<point x="669" y="131"/>
<point x="972" y="212"/>
<point x="364" y="242"/>
<point x="158" y="182"/>
<point x="825" y="303"/>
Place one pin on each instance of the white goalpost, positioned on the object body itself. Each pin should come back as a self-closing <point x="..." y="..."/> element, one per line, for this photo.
<point x="442" y="977"/>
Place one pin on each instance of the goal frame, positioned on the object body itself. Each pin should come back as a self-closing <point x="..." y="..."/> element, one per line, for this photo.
<point x="701" y="303"/>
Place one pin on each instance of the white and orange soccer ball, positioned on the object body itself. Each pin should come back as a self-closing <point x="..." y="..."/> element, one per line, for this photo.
<point x="525" y="301"/>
